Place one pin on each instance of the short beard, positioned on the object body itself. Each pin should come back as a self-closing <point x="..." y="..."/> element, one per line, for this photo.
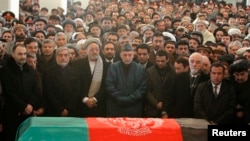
<point x="107" y="29"/>
<point x="127" y="63"/>
<point x="63" y="64"/>
<point x="194" y="71"/>
<point x="22" y="36"/>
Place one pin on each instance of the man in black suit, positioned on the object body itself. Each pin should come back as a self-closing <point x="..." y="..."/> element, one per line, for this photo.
<point x="159" y="76"/>
<point x="215" y="99"/>
<point x="143" y="52"/>
<point x="109" y="53"/>
<point x="92" y="74"/>
<point x="180" y="102"/>
<point x="61" y="85"/>
<point x="20" y="89"/>
<point x="241" y="81"/>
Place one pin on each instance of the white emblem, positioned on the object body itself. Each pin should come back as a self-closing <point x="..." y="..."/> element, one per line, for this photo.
<point x="132" y="126"/>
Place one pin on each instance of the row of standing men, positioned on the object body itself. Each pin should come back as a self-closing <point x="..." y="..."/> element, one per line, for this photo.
<point x="92" y="88"/>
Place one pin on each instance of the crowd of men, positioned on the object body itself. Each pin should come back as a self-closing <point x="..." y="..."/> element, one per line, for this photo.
<point x="155" y="58"/>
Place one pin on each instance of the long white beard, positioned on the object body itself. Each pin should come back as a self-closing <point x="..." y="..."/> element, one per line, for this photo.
<point x="93" y="57"/>
<point x="68" y="35"/>
<point x="88" y="22"/>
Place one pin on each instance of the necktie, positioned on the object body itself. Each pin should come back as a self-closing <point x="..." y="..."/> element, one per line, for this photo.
<point x="215" y="90"/>
<point x="192" y="81"/>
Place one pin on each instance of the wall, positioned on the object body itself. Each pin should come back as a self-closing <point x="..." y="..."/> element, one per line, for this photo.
<point x="50" y="4"/>
<point x="10" y="5"/>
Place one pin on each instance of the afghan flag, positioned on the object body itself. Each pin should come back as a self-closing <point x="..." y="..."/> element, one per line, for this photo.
<point x="98" y="129"/>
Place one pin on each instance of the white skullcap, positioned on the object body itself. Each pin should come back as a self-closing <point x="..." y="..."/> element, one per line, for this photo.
<point x="241" y="51"/>
<point x="80" y="43"/>
<point x="170" y="35"/>
<point x="59" y="26"/>
<point x="234" y="31"/>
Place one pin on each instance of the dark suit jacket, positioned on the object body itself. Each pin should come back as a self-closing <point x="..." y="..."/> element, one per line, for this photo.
<point x="180" y="103"/>
<point x="43" y="64"/>
<point x="156" y="89"/>
<point x="149" y="64"/>
<point x="152" y="57"/>
<point x="114" y="60"/>
<point x="19" y="88"/>
<point x="83" y="68"/>
<point x="61" y="89"/>
<point x="243" y="99"/>
<point x="218" y="109"/>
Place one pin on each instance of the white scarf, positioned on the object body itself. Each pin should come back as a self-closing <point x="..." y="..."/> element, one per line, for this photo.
<point x="97" y="78"/>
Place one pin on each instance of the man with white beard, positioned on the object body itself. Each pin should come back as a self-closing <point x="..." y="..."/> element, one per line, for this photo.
<point x="201" y="26"/>
<point x="92" y="71"/>
<point x="181" y="100"/>
<point x="69" y="27"/>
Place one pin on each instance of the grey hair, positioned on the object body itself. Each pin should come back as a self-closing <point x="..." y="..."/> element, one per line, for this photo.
<point x="49" y="41"/>
<point x="61" y="49"/>
<point x="31" y="55"/>
<point x="124" y="37"/>
<point x="60" y="34"/>
<point x="236" y="43"/>
<point x="196" y="54"/>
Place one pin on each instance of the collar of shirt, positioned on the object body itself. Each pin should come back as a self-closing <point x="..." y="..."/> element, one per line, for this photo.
<point x="194" y="75"/>
<point x="155" y="51"/>
<point x="218" y="87"/>
<point x="112" y="60"/>
<point x="144" y="65"/>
